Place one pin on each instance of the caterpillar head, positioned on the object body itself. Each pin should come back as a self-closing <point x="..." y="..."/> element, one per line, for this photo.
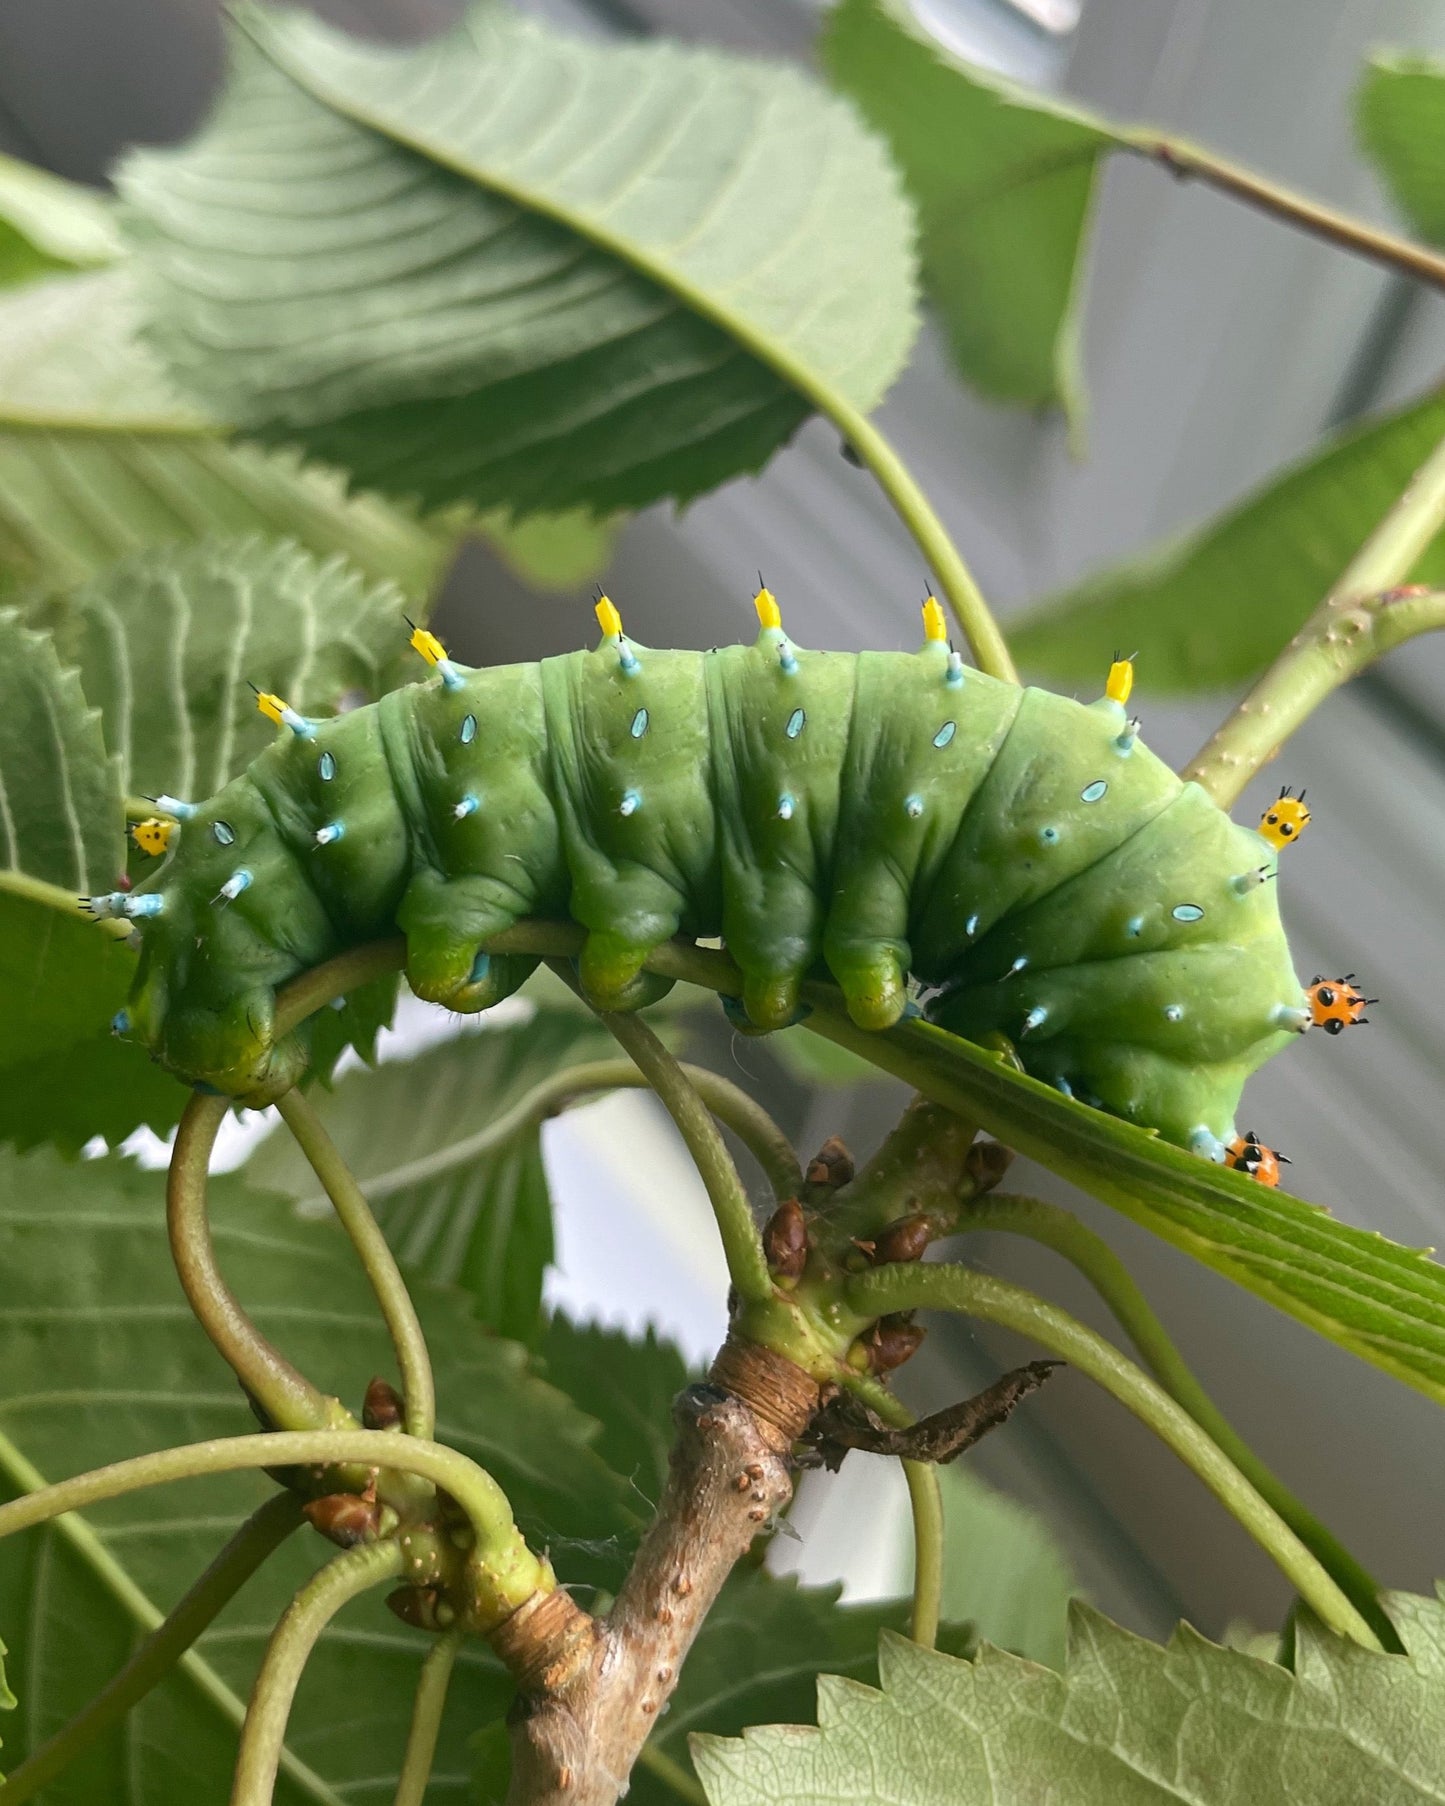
<point x="231" y="921"/>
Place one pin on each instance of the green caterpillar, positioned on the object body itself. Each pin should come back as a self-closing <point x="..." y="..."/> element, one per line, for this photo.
<point x="1022" y="857"/>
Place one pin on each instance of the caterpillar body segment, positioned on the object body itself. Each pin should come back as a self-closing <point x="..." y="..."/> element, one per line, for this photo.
<point x="887" y="817"/>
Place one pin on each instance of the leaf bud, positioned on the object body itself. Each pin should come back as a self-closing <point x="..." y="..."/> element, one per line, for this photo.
<point x="785" y="1240"/>
<point x="894" y="1340"/>
<point x="345" y="1517"/>
<point x="904" y="1239"/>
<point x="986" y="1164"/>
<point x="422" y="1607"/>
<point x="832" y="1165"/>
<point x="383" y="1408"/>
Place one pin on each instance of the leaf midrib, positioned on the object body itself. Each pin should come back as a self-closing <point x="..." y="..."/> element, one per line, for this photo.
<point x="766" y="349"/>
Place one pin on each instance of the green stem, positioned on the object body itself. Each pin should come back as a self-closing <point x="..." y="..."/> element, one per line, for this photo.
<point x="263" y="1736"/>
<point x="287" y="1396"/>
<point x="402" y="1322"/>
<point x="742" y="1246"/>
<point x="1360" y="620"/>
<point x="1110" y="1278"/>
<point x="730" y="1105"/>
<point x="925" y="1501"/>
<point x="1193" y="161"/>
<point x="954" y="1288"/>
<point x="511" y="1572"/>
<point x="258" y="1538"/>
<point x="426" y="1719"/>
<point x="972" y="613"/>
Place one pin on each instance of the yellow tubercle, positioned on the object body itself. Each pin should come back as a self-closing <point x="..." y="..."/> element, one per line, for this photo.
<point x="153" y="836"/>
<point x="1120" y="680"/>
<point x="272" y="707"/>
<point x="935" y="624"/>
<point x="766" y="603"/>
<point x="428" y="645"/>
<point x="1285" y="820"/>
<point x="608" y="619"/>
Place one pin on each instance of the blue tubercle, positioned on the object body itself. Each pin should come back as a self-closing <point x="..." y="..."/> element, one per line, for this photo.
<point x="332" y="831"/>
<point x="787" y="663"/>
<point x="1206" y="1142"/>
<point x="467" y="806"/>
<point x="481" y="966"/>
<point x="785" y="807"/>
<point x="628" y="661"/>
<point x="238" y="881"/>
<point x="953" y="677"/>
<point x="631" y="802"/>
<point x="172" y="805"/>
<point x="452" y="679"/>
<point x="913" y="807"/>
<point x="120" y="1022"/>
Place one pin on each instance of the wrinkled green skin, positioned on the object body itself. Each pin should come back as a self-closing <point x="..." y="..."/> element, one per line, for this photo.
<point x="1157" y="1020"/>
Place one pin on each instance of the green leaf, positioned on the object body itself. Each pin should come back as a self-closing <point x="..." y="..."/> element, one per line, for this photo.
<point x="457" y="1204"/>
<point x="1004" y="181"/>
<point x="628" y="1384"/>
<point x="99" y="457"/>
<point x="102" y="1360"/>
<point x="1383" y="1302"/>
<point x="1400" y="117"/>
<point x="1126" y="1724"/>
<point x="757" y="1660"/>
<point x="1003" y="1572"/>
<point x="62" y="1074"/>
<point x="553" y="551"/>
<point x="49" y="224"/>
<point x="169" y="641"/>
<point x="522" y="270"/>
<point x="1212" y="608"/>
<point x="61" y="821"/>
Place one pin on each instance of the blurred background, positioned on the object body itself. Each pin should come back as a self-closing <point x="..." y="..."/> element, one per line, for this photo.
<point x="1217" y="345"/>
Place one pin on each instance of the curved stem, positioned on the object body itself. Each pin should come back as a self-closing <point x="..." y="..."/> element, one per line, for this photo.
<point x="1188" y="160"/>
<point x="925" y="1501"/>
<point x="402" y="1322"/>
<point x="990" y="649"/>
<point x="925" y="1497"/>
<point x="426" y="1719"/>
<point x="264" y="1733"/>
<point x="287" y="1396"/>
<point x="742" y="1245"/>
<point x="1096" y="1260"/>
<point x="259" y="1537"/>
<point x="1361" y="619"/>
<point x="511" y="1571"/>
<point x="732" y="1107"/>
<point x="954" y="1288"/>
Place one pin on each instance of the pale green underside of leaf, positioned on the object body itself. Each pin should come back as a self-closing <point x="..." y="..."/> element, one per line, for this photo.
<point x="516" y="269"/>
<point x="1384" y="1302"/>
<point x="99" y="457"/>
<point x="49" y="224"/>
<point x="478" y="1219"/>
<point x="169" y="642"/>
<point x="1212" y="608"/>
<point x="1400" y="114"/>
<point x="102" y="1360"/>
<point x="1004" y="182"/>
<point x="1127" y="1724"/>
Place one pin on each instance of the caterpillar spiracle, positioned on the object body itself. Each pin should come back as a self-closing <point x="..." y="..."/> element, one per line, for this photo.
<point x="1021" y="857"/>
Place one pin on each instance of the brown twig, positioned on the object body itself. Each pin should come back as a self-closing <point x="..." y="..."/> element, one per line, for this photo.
<point x="591" y="1693"/>
<point x="847" y="1423"/>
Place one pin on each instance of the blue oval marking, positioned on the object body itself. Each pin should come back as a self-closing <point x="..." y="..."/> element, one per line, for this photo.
<point x="796" y="722"/>
<point x="224" y="833"/>
<point x="326" y="765"/>
<point x="1091" y="793"/>
<point x="970" y="927"/>
<point x="469" y="729"/>
<point x="945" y="734"/>
<point x="1186" y="912"/>
<point x="639" y="724"/>
<point x="120" y="1023"/>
